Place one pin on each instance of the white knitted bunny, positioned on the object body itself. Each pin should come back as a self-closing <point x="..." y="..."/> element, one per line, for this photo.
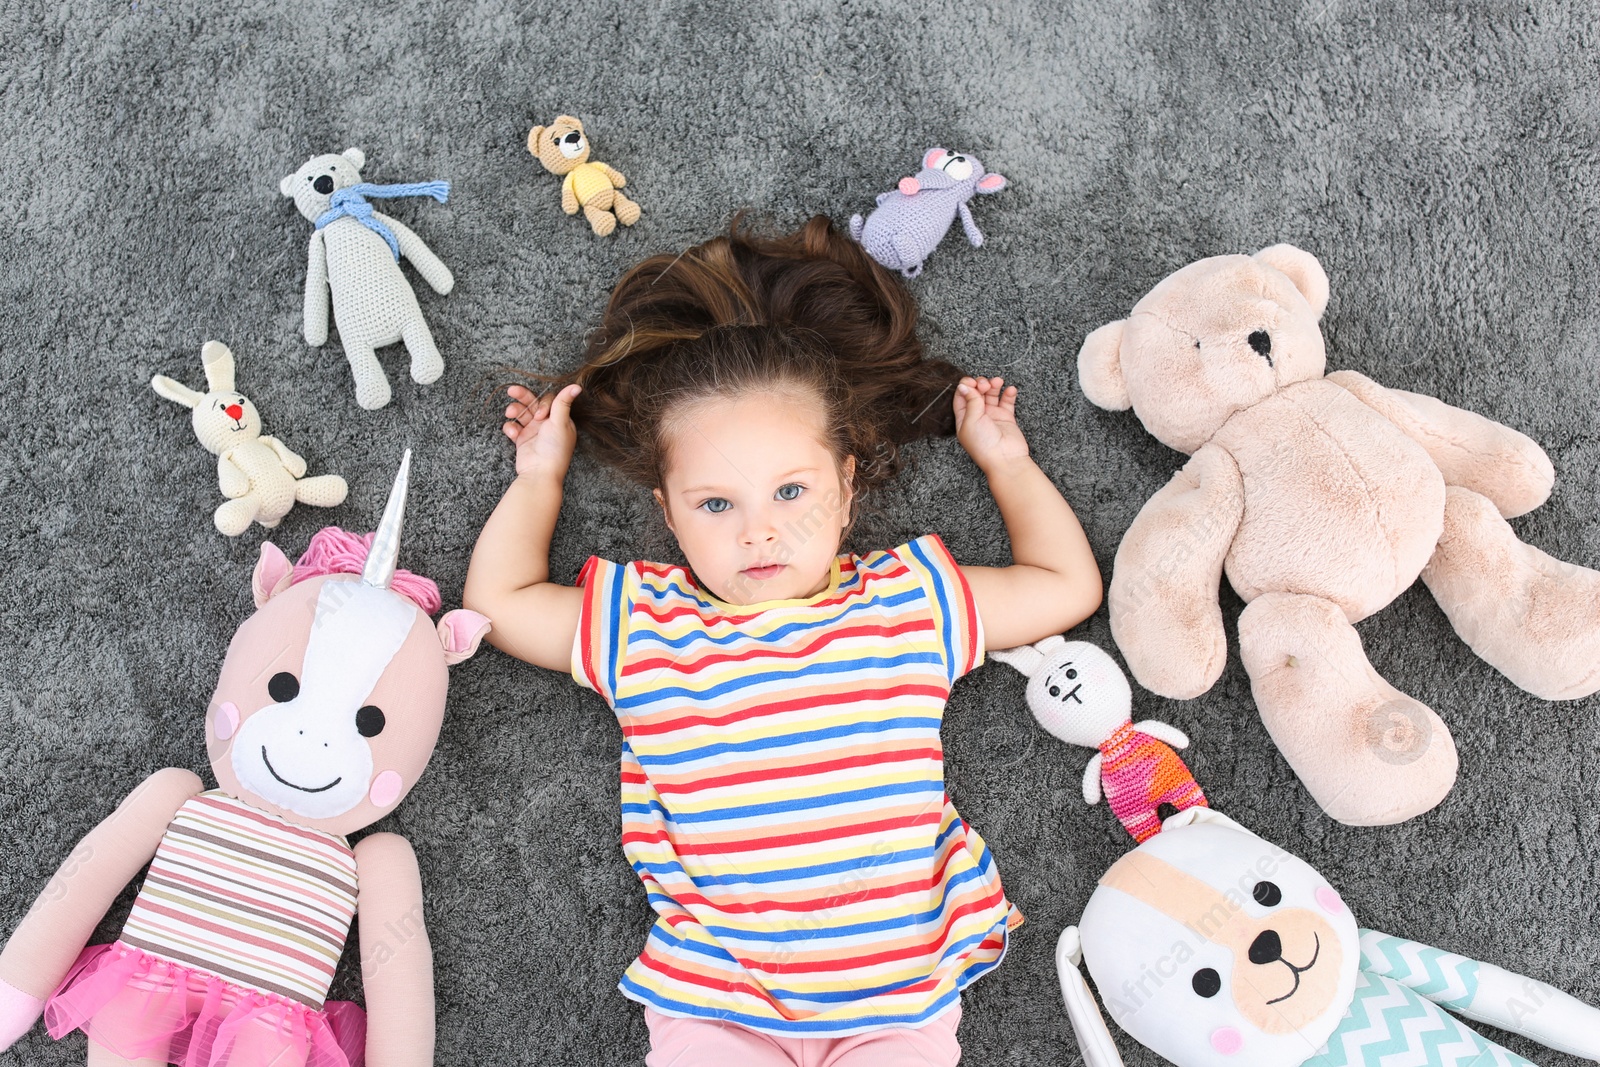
<point x="261" y="478"/>
<point x="1078" y="693"/>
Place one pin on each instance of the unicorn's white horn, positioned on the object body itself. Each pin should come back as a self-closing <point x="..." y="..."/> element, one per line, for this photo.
<point x="385" y="551"/>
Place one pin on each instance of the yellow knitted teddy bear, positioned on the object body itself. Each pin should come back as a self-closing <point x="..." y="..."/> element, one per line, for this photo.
<point x="595" y="187"/>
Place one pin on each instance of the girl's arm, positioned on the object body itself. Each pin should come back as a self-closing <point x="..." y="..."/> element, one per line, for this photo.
<point x="1054" y="583"/>
<point x="508" y="579"/>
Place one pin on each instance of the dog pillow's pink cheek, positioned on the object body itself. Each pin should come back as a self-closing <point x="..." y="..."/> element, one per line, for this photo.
<point x="1330" y="901"/>
<point x="1227" y="1040"/>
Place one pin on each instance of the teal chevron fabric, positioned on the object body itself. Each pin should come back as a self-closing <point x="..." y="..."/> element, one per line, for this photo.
<point x="1443" y="977"/>
<point x="1389" y="1025"/>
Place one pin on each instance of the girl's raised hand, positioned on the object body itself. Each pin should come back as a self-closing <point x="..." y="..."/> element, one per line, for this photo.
<point x="542" y="429"/>
<point x="986" y="422"/>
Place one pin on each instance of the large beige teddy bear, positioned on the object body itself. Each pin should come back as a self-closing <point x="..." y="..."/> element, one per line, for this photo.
<point x="1323" y="498"/>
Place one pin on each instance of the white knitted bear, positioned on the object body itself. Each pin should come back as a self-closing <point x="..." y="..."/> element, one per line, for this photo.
<point x="261" y="478"/>
<point x="355" y="253"/>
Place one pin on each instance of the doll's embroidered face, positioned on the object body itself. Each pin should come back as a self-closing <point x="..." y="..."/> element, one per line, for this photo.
<point x="1080" y="693"/>
<point x="1213" y="947"/>
<point x="223" y="420"/>
<point x="754" y="497"/>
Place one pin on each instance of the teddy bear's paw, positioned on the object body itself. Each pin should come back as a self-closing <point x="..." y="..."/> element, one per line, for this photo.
<point x="1532" y="617"/>
<point x="1368" y="754"/>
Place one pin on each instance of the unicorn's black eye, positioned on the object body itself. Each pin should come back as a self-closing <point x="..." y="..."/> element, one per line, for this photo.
<point x="1267" y="894"/>
<point x="1207" y="983"/>
<point x="369" y="721"/>
<point x="283" y="687"/>
<point x="1071" y="674"/>
<point x="1055" y="690"/>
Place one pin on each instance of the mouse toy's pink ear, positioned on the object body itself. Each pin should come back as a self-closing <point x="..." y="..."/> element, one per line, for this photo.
<point x="991" y="183"/>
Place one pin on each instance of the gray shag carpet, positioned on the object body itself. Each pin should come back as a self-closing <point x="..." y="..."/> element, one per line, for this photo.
<point x="1441" y="161"/>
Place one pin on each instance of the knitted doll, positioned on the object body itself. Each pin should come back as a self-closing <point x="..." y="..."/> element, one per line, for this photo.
<point x="563" y="149"/>
<point x="1079" y="694"/>
<point x="355" y="256"/>
<point x="1215" y="948"/>
<point x="910" y="221"/>
<point x="261" y="478"/>
<point x="325" y="714"/>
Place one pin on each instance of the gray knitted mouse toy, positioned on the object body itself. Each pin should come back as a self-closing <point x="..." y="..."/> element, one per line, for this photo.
<point x="910" y="221"/>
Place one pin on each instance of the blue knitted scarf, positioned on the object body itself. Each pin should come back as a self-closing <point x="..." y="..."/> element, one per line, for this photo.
<point x="353" y="202"/>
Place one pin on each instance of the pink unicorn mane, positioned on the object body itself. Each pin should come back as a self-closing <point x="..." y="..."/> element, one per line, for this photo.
<point x="336" y="551"/>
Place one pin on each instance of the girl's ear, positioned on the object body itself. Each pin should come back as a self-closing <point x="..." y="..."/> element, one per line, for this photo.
<point x="666" y="512"/>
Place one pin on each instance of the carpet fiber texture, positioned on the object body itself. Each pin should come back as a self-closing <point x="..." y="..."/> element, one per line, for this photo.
<point x="1440" y="161"/>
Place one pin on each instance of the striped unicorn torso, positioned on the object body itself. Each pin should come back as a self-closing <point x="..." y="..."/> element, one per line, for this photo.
<point x="783" y="793"/>
<point x="1140" y="773"/>
<point x="249" y="897"/>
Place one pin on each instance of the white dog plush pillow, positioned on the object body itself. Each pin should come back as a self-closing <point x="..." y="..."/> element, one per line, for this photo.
<point x="1215" y="948"/>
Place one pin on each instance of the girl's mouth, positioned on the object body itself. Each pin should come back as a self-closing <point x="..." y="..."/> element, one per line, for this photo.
<point x="761" y="574"/>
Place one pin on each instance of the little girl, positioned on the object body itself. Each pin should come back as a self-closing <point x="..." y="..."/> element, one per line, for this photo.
<point x="819" y="899"/>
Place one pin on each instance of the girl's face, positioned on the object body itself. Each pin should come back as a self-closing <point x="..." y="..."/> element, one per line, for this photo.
<point x="754" y="497"/>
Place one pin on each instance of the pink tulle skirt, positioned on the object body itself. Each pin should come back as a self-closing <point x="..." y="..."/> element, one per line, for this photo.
<point x="141" y="1006"/>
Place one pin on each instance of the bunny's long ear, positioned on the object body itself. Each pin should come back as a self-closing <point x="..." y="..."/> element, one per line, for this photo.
<point x="219" y="366"/>
<point x="1024" y="658"/>
<point x="1094" y="1040"/>
<point x="174" y="391"/>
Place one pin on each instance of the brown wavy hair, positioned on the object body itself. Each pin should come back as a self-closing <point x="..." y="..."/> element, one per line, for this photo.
<point x="807" y="314"/>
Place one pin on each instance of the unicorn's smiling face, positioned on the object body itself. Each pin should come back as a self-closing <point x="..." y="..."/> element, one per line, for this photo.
<point x="330" y="703"/>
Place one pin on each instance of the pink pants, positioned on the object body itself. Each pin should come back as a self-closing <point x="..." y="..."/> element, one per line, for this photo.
<point x="676" y="1042"/>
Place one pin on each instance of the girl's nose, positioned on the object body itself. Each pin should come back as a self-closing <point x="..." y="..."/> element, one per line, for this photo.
<point x="234" y="411"/>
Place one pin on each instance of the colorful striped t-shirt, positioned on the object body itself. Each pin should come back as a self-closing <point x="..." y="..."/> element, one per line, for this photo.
<point x="783" y="793"/>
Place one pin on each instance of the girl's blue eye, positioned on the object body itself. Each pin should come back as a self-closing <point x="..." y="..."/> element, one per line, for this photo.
<point x="715" y="500"/>
<point x="792" y="485"/>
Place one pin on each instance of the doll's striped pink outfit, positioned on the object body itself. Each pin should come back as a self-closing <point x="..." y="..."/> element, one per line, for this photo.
<point x="229" y="951"/>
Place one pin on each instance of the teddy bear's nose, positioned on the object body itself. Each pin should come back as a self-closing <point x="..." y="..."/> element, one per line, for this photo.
<point x="1261" y="341"/>
<point x="323" y="184"/>
<point x="234" y="412"/>
<point x="573" y="138"/>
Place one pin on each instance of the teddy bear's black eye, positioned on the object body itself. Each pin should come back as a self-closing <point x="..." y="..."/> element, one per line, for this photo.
<point x="283" y="687"/>
<point x="1267" y="894"/>
<point x="1207" y="982"/>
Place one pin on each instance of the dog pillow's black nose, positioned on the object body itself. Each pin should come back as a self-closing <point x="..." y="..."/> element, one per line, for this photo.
<point x="323" y="184"/>
<point x="1261" y="341"/>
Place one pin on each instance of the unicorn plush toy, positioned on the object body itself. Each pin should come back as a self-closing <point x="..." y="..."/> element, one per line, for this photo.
<point x="325" y="714"/>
